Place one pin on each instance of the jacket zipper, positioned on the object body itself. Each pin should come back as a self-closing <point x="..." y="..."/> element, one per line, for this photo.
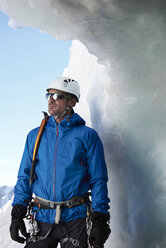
<point x="54" y="168"/>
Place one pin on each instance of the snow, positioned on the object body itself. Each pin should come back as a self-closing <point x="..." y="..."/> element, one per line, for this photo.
<point x="6" y="193"/>
<point x="125" y="95"/>
<point x="5" y="239"/>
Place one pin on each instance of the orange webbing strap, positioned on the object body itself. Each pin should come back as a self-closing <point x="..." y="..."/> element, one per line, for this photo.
<point x="36" y="147"/>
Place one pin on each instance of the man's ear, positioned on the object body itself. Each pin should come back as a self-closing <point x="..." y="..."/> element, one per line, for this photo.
<point x="72" y="102"/>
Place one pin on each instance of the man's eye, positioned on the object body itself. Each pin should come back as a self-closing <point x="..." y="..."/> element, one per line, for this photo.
<point x="60" y="96"/>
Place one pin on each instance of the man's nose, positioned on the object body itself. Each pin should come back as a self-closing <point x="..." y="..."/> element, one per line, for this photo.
<point x="51" y="99"/>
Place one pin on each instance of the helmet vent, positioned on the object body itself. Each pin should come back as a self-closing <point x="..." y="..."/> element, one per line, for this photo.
<point x="68" y="80"/>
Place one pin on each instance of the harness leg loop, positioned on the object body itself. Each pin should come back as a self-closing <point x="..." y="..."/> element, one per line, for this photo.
<point x="58" y="214"/>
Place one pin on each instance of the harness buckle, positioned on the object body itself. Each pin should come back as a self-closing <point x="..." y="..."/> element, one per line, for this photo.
<point x="70" y="203"/>
<point x="51" y="205"/>
<point x="73" y="202"/>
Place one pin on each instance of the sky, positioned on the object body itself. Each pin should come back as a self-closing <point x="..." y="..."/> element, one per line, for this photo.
<point x="29" y="60"/>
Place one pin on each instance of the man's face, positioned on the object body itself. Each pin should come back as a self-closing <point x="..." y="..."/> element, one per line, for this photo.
<point x="57" y="107"/>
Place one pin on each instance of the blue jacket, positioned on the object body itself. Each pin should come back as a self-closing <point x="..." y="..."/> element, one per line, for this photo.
<point x="70" y="162"/>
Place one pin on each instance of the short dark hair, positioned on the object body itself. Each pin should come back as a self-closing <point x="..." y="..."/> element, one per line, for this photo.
<point x="72" y="96"/>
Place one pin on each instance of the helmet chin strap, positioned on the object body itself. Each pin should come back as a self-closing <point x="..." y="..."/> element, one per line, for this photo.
<point x="64" y="113"/>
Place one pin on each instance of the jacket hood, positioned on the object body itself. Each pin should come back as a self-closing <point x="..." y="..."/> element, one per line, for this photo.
<point x="68" y="122"/>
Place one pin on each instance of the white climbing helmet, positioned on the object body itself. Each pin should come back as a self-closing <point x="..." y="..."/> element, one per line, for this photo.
<point x="66" y="84"/>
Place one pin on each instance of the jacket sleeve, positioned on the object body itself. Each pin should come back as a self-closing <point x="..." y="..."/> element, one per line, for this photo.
<point x="22" y="190"/>
<point x="98" y="174"/>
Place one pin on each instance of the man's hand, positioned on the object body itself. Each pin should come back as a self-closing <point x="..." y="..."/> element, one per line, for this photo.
<point x="100" y="229"/>
<point x="17" y="223"/>
<point x="15" y="226"/>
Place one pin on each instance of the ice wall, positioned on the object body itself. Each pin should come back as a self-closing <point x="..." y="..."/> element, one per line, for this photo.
<point x="126" y="96"/>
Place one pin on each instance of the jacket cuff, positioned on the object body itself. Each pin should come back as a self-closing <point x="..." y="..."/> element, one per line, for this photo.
<point x="99" y="217"/>
<point x="18" y="212"/>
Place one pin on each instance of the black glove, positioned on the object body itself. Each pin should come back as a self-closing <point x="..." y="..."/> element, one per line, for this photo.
<point x="100" y="229"/>
<point x="18" y="214"/>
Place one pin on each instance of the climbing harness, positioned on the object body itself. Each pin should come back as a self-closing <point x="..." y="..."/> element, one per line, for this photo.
<point x="73" y="202"/>
<point x="75" y="242"/>
<point x="40" y="202"/>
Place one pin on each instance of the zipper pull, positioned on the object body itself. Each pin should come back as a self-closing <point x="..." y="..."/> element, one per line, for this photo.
<point x="57" y="131"/>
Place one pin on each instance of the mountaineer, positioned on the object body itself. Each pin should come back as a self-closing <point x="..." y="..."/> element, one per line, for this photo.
<point x="63" y="161"/>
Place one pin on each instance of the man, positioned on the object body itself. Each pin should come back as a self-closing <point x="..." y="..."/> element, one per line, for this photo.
<point x="69" y="163"/>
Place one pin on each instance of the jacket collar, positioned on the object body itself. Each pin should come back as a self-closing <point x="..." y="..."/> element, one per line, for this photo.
<point x="68" y="122"/>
